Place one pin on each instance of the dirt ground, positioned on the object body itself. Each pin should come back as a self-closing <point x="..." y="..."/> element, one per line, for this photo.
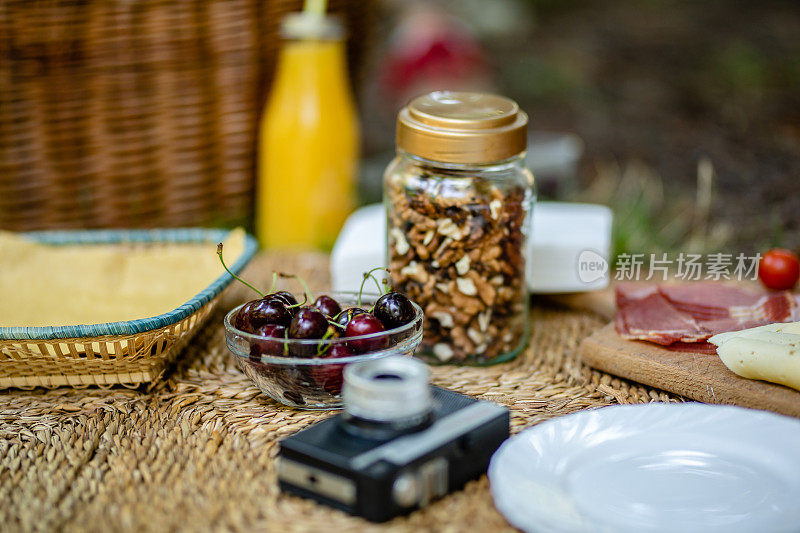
<point x="669" y="82"/>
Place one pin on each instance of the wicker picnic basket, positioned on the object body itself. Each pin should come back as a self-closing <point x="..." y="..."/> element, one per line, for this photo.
<point x="126" y="353"/>
<point x="138" y="113"/>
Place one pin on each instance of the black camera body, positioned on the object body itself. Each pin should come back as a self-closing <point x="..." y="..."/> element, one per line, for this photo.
<point x="379" y="471"/>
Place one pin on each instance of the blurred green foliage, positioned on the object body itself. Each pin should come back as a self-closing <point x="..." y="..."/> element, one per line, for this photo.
<point x="741" y="68"/>
<point x="650" y="217"/>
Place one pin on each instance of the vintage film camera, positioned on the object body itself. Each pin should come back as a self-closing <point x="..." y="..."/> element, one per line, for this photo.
<point x="399" y="444"/>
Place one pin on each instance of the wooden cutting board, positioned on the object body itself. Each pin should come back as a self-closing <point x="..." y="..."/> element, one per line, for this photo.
<point x="698" y="376"/>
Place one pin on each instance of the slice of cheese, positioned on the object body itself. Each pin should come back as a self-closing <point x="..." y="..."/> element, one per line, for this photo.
<point x="770" y="353"/>
<point x="778" y="327"/>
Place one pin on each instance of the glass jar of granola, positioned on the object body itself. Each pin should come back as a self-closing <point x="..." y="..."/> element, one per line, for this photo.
<point x="458" y="199"/>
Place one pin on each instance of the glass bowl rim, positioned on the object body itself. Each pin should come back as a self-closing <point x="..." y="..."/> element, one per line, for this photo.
<point x="281" y="360"/>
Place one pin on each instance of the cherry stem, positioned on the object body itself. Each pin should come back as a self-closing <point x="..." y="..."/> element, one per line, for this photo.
<point x="368" y="275"/>
<point x="387" y="281"/>
<point x="299" y="304"/>
<point x="219" y="254"/>
<point x="274" y="282"/>
<point x="361" y="290"/>
<point x="377" y="284"/>
<point x="302" y="282"/>
<point x="321" y="347"/>
<point x="380" y="291"/>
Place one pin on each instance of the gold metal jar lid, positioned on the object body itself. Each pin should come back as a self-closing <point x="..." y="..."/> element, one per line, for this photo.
<point x="460" y="127"/>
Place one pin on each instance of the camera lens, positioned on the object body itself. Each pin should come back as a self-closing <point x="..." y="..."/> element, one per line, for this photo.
<point x="392" y="390"/>
<point x="388" y="376"/>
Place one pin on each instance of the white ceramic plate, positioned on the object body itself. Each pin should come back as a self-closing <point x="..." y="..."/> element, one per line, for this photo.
<point x="655" y="467"/>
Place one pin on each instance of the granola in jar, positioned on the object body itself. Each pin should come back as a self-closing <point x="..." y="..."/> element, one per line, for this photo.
<point x="456" y="230"/>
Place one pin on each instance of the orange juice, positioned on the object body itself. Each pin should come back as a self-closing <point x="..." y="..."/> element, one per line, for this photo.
<point x="308" y="145"/>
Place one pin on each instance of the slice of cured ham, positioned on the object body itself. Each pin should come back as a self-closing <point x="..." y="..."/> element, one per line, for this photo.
<point x="706" y="301"/>
<point x="647" y="315"/>
<point x="681" y="315"/>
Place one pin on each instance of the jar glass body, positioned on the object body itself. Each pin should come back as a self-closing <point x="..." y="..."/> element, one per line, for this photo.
<point x="456" y="245"/>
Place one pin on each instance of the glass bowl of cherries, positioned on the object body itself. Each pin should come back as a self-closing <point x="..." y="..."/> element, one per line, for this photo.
<point x="295" y="351"/>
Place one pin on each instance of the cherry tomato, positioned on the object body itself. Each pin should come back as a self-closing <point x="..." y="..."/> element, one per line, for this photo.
<point x="779" y="269"/>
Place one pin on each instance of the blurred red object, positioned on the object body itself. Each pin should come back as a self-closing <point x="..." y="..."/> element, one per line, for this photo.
<point x="431" y="50"/>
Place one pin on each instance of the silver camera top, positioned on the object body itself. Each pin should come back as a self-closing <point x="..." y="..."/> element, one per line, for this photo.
<point x="390" y="389"/>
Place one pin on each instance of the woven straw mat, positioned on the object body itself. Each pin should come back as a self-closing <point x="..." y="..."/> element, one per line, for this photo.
<point x="196" y="451"/>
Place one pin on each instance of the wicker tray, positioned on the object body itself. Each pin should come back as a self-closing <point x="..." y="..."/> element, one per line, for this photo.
<point x="126" y="353"/>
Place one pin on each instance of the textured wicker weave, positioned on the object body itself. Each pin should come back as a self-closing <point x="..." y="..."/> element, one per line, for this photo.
<point x="196" y="453"/>
<point x="127" y="360"/>
<point x="140" y="113"/>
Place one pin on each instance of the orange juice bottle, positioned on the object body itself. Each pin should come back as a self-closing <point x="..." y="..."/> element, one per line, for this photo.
<point x="308" y="144"/>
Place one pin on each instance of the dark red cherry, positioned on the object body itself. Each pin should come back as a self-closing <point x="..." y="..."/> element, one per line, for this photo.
<point x="365" y="324"/>
<point x="285" y="296"/>
<point x="241" y="320"/>
<point x="329" y="376"/>
<point x="289" y="302"/>
<point x="308" y="324"/>
<point x="339" y="350"/>
<point x="273" y="345"/>
<point x="344" y="317"/>
<point x="327" y="306"/>
<point x="394" y="310"/>
<point x="268" y="311"/>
